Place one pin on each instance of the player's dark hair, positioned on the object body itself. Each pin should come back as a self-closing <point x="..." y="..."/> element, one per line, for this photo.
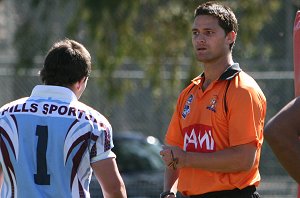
<point x="66" y="63"/>
<point x="223" y="13"/>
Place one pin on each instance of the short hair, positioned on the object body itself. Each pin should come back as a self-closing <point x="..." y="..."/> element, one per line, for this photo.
<point x="223" y="13"/>
<point x="66" y="63"/>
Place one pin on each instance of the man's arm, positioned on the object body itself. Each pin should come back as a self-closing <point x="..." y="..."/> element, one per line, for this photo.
<point x="108" y="176"/>
<point x="282" y="133"/>
<point x="170" y="181"/>
<point x="234" y="159"/>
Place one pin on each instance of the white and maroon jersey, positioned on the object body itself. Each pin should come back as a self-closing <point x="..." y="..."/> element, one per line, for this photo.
<point x="48" y="142"/>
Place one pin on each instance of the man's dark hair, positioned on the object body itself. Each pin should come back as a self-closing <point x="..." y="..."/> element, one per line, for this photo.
<point x="223" y="13"/>
<point x="66" y="63"/>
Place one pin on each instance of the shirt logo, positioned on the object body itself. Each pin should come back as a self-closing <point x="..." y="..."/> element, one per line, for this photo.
<point x="186" y="109"/>
<point x="199" y="138"/>
<point x="213" y="103"/>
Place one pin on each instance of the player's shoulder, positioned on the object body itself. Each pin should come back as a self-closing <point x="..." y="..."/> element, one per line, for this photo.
<point x="293" y="107"/>
<point x="244" y="81"/>
<point x="188" y="88"/>
<point x="93" y="112"/>
<point x="244" y="78"/>
<point x="85" y="107"/>
<point x="185" y="93"/>
<point x="244" y="85"/>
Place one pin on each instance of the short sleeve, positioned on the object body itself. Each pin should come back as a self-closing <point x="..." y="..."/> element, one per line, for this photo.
<point x="101" y="141"/>
<point x="105" y="155"/>
<point x="172" y="137"/>
<point x="174" y="134"/>
<point x="246" y="113"/>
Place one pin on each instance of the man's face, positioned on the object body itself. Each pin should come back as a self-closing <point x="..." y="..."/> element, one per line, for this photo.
<point x="209" y="39"/>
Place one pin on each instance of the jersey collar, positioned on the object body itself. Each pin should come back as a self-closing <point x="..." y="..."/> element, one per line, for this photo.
<point x="54" y="92"/>
<point x="228" y="74"/>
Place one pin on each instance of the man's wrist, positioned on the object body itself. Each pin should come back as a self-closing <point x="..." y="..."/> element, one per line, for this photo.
<point x="166" y="193"/>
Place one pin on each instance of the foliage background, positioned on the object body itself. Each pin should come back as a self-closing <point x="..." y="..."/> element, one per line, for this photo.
<point x="151" y="36"/>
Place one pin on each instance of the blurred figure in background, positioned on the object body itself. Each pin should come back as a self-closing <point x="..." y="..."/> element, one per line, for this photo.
<point x="282" y="133"/>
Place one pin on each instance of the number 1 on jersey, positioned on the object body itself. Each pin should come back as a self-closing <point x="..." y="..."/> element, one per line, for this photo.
<point x="41" y="177"/>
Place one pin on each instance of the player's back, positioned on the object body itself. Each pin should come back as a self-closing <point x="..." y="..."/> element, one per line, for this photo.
<point x="45" y="148"/>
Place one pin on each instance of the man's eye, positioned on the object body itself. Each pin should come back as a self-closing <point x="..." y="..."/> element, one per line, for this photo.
<point x="209" y="33"/>
<point x="194" y="33"/>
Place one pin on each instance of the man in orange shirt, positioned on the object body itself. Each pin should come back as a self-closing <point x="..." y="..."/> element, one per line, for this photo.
<point x="214" y="139"/>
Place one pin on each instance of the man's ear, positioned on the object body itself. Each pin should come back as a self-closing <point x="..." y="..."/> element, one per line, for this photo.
<point x="80" y="83"/>
<point x="230" y="37"/>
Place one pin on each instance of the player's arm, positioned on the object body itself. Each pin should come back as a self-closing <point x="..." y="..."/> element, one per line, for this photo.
<point x="170" y="178"/>
<point x="282" y="133"/>
<point x="108" y="176"/>
<point x="234" y="159"/>
<point x="170" y="181"/>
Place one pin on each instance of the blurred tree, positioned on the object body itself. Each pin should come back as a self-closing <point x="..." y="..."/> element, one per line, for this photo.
<point x="39" y="22"/>
<point x="151" y="36"/>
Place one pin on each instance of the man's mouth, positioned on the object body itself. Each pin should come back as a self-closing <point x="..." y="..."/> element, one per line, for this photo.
<point x="201" y="48"/>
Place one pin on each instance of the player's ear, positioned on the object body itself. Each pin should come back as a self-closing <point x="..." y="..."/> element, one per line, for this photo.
<point x="79" y="84"/>
<point x="230" y="37"/>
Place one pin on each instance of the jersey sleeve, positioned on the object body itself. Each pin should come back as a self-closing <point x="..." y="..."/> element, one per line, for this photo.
<point x="247" y="109"/>
<point x="101" y="140"/>
<point x="174" y="134"/>
<point x="172" y="137"/>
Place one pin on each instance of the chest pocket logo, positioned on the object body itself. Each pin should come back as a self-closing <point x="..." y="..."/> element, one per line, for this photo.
<point x="213" y="103"/>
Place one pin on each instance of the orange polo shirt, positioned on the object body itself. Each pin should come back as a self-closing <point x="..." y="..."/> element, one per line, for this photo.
<point x="200" y="123"/>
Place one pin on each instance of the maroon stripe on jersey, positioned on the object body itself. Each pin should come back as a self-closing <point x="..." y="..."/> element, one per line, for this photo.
<point x="77" y="159"/>
<point x="8" y="166"/>
<point x="94" y="137"/>
<point x="81" y="191"/>
<point x="93" y="151"/>
<point x="5" y="134"/>
<point x="15" y="121"/>
<point x="106" y="141"/>
<point x="82" y="138"/>
<point x="75" y="121"/>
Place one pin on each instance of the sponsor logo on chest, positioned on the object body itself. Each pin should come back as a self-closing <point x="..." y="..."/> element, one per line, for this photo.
<point x="199" y="138"/>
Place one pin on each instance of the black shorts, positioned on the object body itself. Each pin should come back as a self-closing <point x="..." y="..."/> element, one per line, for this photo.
<point x="248" y="192"/>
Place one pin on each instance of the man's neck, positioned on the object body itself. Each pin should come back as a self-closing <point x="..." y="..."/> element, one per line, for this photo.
<point x="213" y="70"/>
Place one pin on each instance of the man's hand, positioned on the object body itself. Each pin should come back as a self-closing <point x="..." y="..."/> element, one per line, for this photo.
<point x="173" y="156"/>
